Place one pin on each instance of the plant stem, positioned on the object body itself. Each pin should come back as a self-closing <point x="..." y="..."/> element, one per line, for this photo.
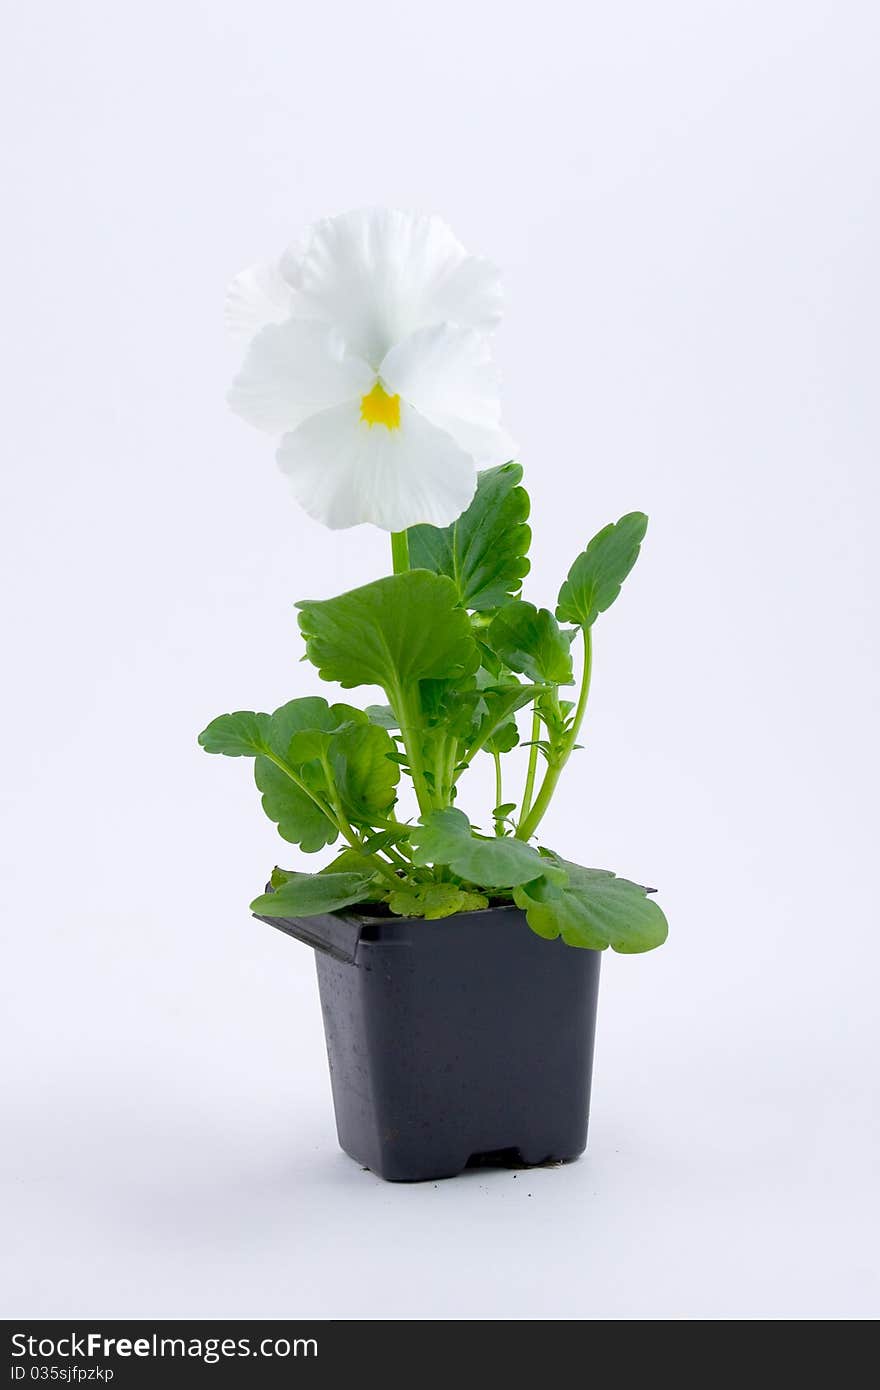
<point x="397" y="859"/>
<point x="382" y="866"/>
<point x="499" y="792"/>
<point x="440" y="759"/>
<point x="586" y="674"/>
<point x="468" y="753"/>
<point x="399" y="552"/>
<point x="445" y="760"/>
<point x="529" y="824"/>
<point x="529" y="789"/>
<point x="450" y="772"/>
<point x="388" y="822"/>
<point x="335" y="801"/>
<point x="411" y="735"/>
<point x="297" y="780"/>
<point x="334" y="813"/>
<point x="347" y="829"/>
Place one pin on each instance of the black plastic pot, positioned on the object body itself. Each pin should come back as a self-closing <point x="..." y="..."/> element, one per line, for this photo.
<point x="463" y="1040"/>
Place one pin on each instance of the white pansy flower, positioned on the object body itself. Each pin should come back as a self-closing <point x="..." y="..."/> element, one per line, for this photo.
<point x="369" y="356"/>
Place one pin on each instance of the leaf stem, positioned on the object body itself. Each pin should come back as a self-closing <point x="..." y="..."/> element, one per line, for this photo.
<point x="529" y="789"/>
<point x="399" y="552"/>
<point x="529" y="824"/>
<point x="470" y="751"/>
<point x="336" y="802"/>
<point x="410" y="732"/>
<point x="334" y="812"/>
<point x="397" y="859"/>
<point x="499" y="791"/>
<point x="298" y="781"/>
<point x="440" y="760"/>
<point x="384" y="868"/>
<point x="449" y="784"/>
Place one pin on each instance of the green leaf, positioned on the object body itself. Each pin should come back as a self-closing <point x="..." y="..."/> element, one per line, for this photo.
<point x="240" y="735"/>
<point x="505" y="809"/>
<point x="451" y="705"/>
<point x="537" y="899"/>
<point x="484" y="551"/>
<point x="391" y="633"/>
<point x="364" y="770"/>
<point x="434" y="900"/>
<point x="246" y="734"/>
<point x="308" y="895"/>
<point x="351" y="861"/>
<point x="498" y="704"/>
<point x="357" y="754"/>
<point x="383" y="715"/>
<point x="298" y="819"/>
<point x="595" y="578"/>
<point x="303" y="716"/>
<point x="348" y="861"/>
<point x="505" y="737"/>
<point x="446" y="838"/>
<point x="529" y="640"/>
<point x="386" y="839"/>
<point x="594" y="909"/>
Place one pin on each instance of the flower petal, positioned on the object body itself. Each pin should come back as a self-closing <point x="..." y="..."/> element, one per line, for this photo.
<point x="379" y="274"/>
<point x="259" y="295"/>
<point x="345" y="472"/>
<point x="291" y="371"/>
<point x="448" y="374"/>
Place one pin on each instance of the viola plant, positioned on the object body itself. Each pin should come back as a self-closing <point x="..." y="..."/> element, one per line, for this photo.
<point x="369" y="356"/>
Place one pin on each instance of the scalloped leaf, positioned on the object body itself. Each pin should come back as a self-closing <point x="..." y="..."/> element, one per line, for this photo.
<point x="246" y="733"/>
<point x="594" y="909"/>
<point x="595" y="578"/>
<point x="529" y="640"/>
<point x="365" y="775"/>
<point x="484" y="551"/>
<point x="446" y="837"/>
<point x="242" y="734"/>
<point x="309" y="895"/>
<point x="298" y="819"/>
<point x="391" y="633"/>
<point x="434" y="900"/>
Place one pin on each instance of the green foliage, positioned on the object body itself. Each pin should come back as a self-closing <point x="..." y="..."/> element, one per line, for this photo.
<point x="504" y="738"/>
<point x="446" y="838"/>
<point x="305" y="716"/>
<point x="434" y="900"/>
<point x="383" y="715"/>
<point x="348" y="861"/>
<point x="494" y="722"/>
<point x="308" y="895"/>
<point x="484" y="551"/>
<point x="530" y="640"/>
<point x="239" y="735"/>
<point x="593" y="909"/>
<point x="459" y="656"/>
<point x="307" y="754"/>
<point x="366" y="777"/>
<point x="595" y="578"/>
<point x="391" y="633"/>
<point x="299" y="818"/>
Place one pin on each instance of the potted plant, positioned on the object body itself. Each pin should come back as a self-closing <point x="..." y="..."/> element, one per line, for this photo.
<point x="458" y="956"/>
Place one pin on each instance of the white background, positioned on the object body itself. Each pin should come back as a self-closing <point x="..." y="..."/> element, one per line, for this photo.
<point x="684" y="201"/>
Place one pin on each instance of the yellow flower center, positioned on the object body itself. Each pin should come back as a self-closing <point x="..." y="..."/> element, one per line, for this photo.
<point x="378" y="408"/>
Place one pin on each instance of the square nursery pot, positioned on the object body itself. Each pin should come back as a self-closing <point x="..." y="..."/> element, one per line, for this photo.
<point x="465" y="1040"/>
